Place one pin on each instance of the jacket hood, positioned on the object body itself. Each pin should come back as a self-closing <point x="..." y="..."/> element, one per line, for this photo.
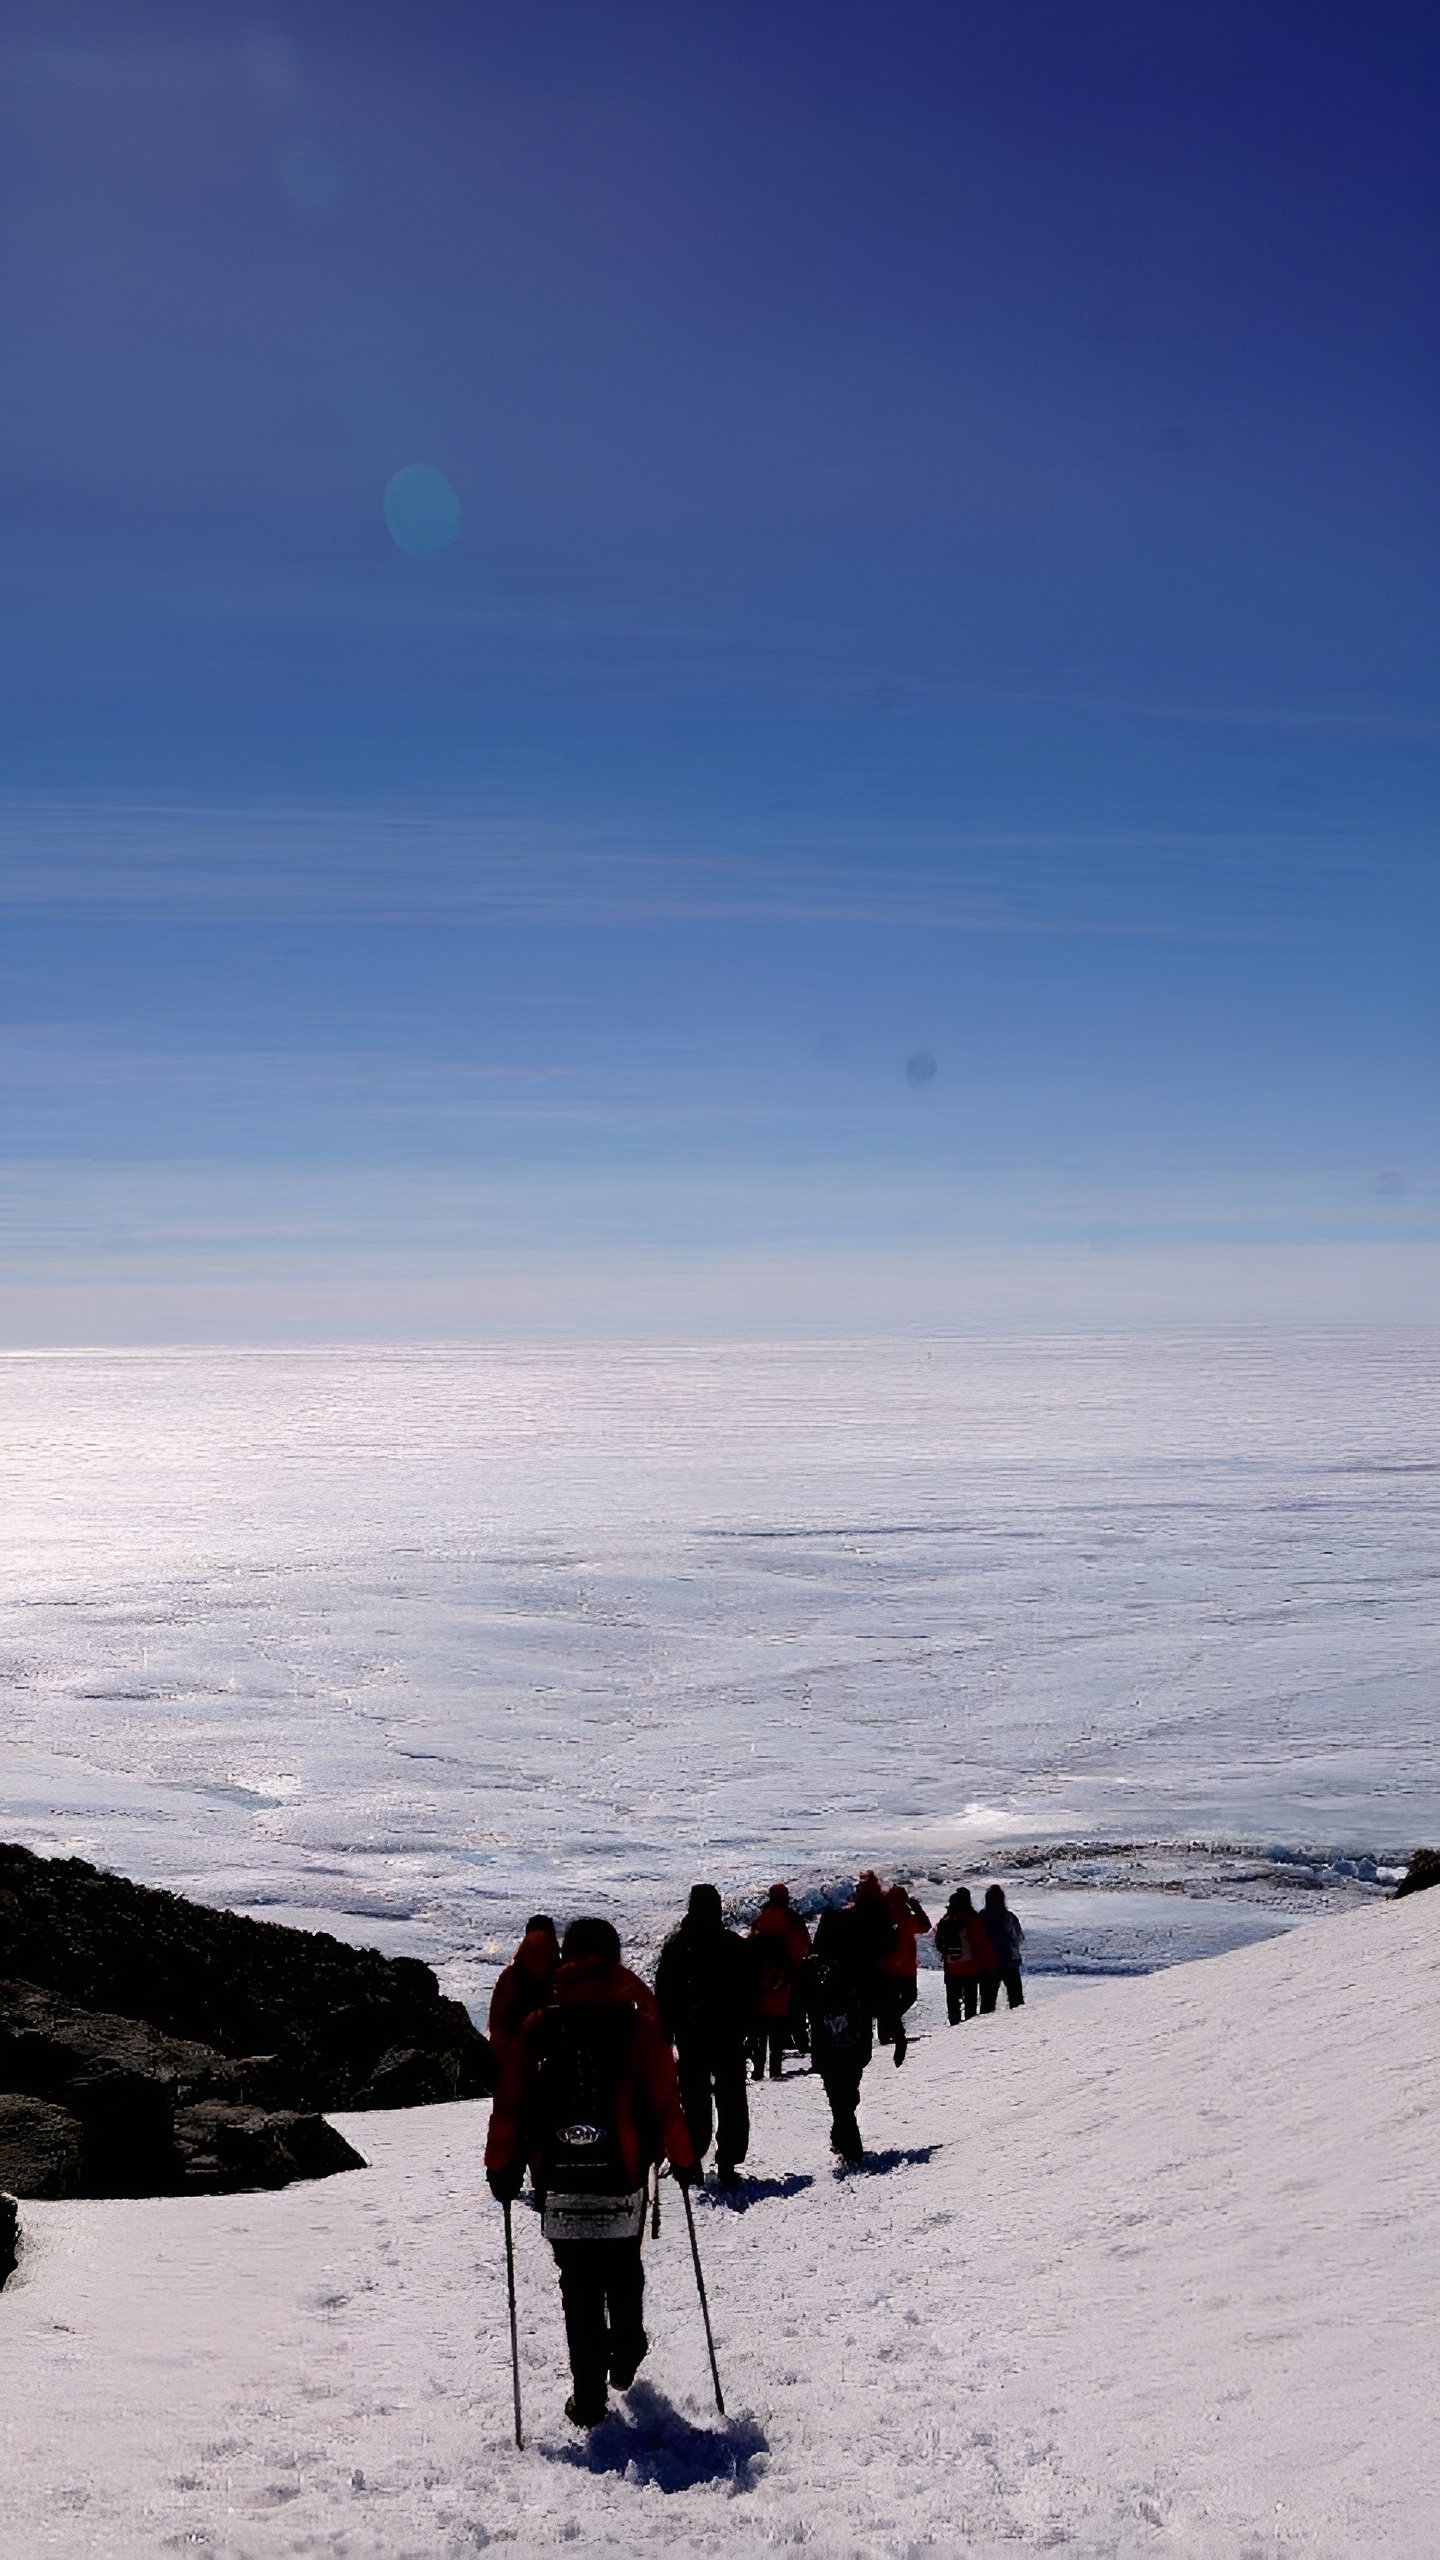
<point x="589" y="1978"/>
<point x="538" y="1952"/>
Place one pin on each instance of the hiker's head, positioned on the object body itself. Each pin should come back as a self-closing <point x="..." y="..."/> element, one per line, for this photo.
<point x="540" y="1924"/>
<point x="897" y="1902"/>
<point x="590" y="1942"/>
<point x="705" y="1910"/>
<point x="779" y="1894"/>
<point x="869" y="1888"/>
<point x="995" y="1897"/>
<point x="960" y="1899"/>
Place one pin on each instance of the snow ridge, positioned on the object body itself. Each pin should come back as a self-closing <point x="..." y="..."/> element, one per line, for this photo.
<point x="1148" y="2266"/>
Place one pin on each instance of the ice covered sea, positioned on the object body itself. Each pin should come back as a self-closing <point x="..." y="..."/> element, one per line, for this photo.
<point x="402" y="1641"/>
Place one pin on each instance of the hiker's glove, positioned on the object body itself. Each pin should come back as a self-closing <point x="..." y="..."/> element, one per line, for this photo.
<point x="505" y="2184"/>
<point x="689" y="2176"/>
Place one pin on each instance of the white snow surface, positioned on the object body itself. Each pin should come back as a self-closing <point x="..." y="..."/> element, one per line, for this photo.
<point x="402" y="1642"/>
<point x="1146" y="2267"/>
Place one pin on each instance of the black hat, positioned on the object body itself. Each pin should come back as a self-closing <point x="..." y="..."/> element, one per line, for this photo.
<point x="590" y="1938"/>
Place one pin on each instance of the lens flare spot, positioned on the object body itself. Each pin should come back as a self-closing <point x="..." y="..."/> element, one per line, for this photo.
<point x="422" y="510"/>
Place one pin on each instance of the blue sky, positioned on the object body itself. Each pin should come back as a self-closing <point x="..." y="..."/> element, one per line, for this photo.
<point x="911" y="797"/>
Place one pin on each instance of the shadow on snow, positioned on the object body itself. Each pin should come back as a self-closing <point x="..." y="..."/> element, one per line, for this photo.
<point x="876" y="2164"/>
<point x="754" y="2191"/>
<point x="651" y="2444"/>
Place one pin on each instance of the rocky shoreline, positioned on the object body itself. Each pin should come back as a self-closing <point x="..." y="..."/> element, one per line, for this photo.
<point x="153" y="2046"/>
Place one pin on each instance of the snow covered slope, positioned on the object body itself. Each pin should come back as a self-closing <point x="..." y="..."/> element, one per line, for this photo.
<point x="1147" y="2267"/>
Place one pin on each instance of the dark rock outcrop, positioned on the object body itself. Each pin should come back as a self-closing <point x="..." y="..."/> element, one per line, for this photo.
<point x="222" y="2148"/>
<point x="1422" y="1872"/>
<point x="149" y="2046"/>
<point x="47" y="2043"/>
<point x="106" y="2106"/>
<point x="334" y="2020"/>
<point x="42" y="2148"/>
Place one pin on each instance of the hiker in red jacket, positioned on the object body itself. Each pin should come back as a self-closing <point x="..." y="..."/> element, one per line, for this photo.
<point x="588" y="2095"/>
<point x="784" y="1943"/>
<point x="526" y="1984"/>
<point x="964" y="1945"/>
<point x="897" y="1974"/>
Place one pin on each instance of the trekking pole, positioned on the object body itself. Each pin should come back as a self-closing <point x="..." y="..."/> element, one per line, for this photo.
<point x="700" y="2287"/>
<point x="514" y="2330"/>
<point x="655" y="2207"/>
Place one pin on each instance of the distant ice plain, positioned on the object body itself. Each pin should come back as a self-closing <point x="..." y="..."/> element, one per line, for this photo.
<point x="404" y="1640"/>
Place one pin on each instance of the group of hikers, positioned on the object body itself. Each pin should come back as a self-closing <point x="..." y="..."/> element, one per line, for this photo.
<point x="600" y="2078"/>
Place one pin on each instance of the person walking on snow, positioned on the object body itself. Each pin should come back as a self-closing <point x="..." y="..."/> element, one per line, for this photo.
<point x="964" y="1946"/>
<point x="588" y="2095"/>
<point x="840" y="1999"/>
<point x="707" y="1985"/>
<point x="526" y="1984"/>
<point x="897" y="1974"/>
<point x="784" y="1946"/>
<point x="874" y="1928"/>
<point x="1006" y="1940"/>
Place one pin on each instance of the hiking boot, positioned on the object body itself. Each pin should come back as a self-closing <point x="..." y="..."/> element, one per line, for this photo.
<point x="586" y="2413"/>
<point x="902" y="2047"/>
<point x="727" y="2175"/>
<point x="623" y="2369"/>
<point x="777" y="2071"/>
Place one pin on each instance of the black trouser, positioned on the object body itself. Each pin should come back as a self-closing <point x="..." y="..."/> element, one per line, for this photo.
<point x="772" y="2035"/>
<point x="990" y="1988"/>
<point x="602" y="2287"/>
<point x="894" y="1994"/>
<point x="712" y="2093"/>
<point x="962" y="1996"/>
<point x="842" y="2088"/>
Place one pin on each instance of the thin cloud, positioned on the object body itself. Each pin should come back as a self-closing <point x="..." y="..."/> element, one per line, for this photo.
<point x="413" y="861"/>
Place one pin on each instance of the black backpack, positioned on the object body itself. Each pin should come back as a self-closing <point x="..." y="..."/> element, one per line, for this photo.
<point x="839" y="2004"/>
<point x="582" y="2056"/>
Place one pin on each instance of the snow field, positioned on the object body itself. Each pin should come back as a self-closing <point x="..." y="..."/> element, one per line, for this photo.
<point x="1149" y="2266"/>
<point x="406" y="1644"/>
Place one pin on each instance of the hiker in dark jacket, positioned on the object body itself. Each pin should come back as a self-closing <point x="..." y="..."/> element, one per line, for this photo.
<point x="783" y="1944"/>
<point x="964" y="1946"/>
<point x="874" y="1927"/>
<point x="588" y="2096"/>
<point x="840" y="2000"/>
<point x="707" y="1984"/>
<point x="1006" y="1940"/>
